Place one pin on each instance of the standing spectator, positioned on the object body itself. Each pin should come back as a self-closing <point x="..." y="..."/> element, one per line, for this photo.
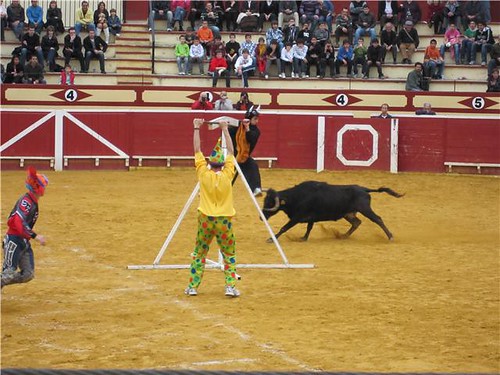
<point x="433" y="61"/>
<point x="388" y="39"/>
<point x="182" y="55"/>
<point x="50" y="46"/>
<point x="473" y="11"/>
<point x="493" y="81"/>
<point x="73" y="48"/>
<point x="95" y="47"/>
<point x="273" y="56"/>
<point x="408" y="42"/>
<point x="15" y="18"/>
<point x="452" y="13"/>
<point x="231" y="15"/>
<point x="426" y="110"/>
<point x="244" y="103"/>
<point x="287" y="10"/>
<point x="31" y="45"/>
<point x="327" y="59"/>
<point x="313" y="57"/>
<point x="355" y="9"/>
<point x="114" y="23"/>
<point x="215" y="211"/>
<point x="384" y="111"/>
<point x="67" y="76"/>
<point x="203" y="103"/>
<point x="374" y="57"/>
<point x="196" y="55"/>
<point x="34" y="13"/>
<point x="268" y="13"/>
<point x="232" y="51"/>
<point x="209" y="15"/>
<point x="452" y="43"/>
<point x="286" y="57"/>
<point x="194" y="14"/>
<point x="179" y="10"/>
<point x="359" y="56"/>
<point x="248" y="19"/>
<point x="223" y="103"/>
<point x="160" y="10"/>
<point x="274" y="33"/>
<point x="205" y="36"/>
<point x="435" y="10"/>
<point x="309" y="12"/>
<point x="321" y="33"/>
<point x="299" y="52"/>
<point x="33" y="72"/>
<point x="344" y="57"/>
<point x="495" y="56"/>
<point x="84" y="19"/>
<point x="15" y="71"/>
<point x="366" y="25"/>
<point x="410" y="11"/>
<point x="343" y="26"/>
<point x="218" y="68"/>
<point x="101" y="16"/>
<point x="54" y="17"/>
<point x="484" y="41"/>
<point x="291" y="32"/>
<point x="243" y="66"/>
<point x="415" y="79"/>
<point x="387" y="12"/>
<point x="260" y="56"/>
<point x="3" y="20"/>
<point x="469" y="38"/>
<point x="305" y="34"/>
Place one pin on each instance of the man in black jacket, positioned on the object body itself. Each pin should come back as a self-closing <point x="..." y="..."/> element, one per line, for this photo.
<point x="408" y="41"/>
<point x="94" y="47"/>
<point x="73" y="48"/>
<point x="30" y="45"/>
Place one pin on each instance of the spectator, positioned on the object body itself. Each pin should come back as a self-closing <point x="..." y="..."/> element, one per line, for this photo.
<point x="468" y="40"/>
<point x="217" y="45"/>
<point x="114" y="23"/>
<point x="244" y="103"/>
<point x="408" y="42"/>
<point x="205" y="36"/>
<point x="182" y="55"/>
<point x="355" y="9"/>
<point x="343" y="26"/>
<point x="260" y="56"/>
<point x="223" y="103"/>
<point x="73" y="48"/>
<point x="495" y="56"/>
<point x="359" y="57"/>
<point x="218" y="68"/>
<point x="366" y="25"/>
<point x="34" y="13"/>
<point x="286" y="57"/>
<point x="291" y="32"/>
<point x="196" y="55"/>
<point x="84" y="20"/>
<point x="203" y="103"/>
<point x="473" y="11"/>
<point x="273" y="33"/>
<point x="268" y="13"/>
<point x="415" y="79"/>
<point x="15" y="18"/>
<point x="326" y="14"/>
<point x="15" y="71"/>
<point x="327" y="60"/>
<point x="287" y="10"/>
<point x="160" y="10"/>
<point x="410" y="11"/>
<point x="243" y="66"/>
<point x="232" y="51"/>
<point x="95" y="47"/>
<point x="426" y="110"/>
<point x="273" y="56"/>
<point x="31" y="46"/>
<point x="344" y="57"/>
<point x="388" y="39"/>
<point x="384" y="111"/>
<point x="250" y="46"/>
<point x="50" y="46"/>
<point x="433" y="61"/>
<point x="195" y="12"/>
<point x="452" y="43"/>
<point x="218" y="7"/>
<point x="309" y="12"/>
<point x="67" y="76"/>
<point x="486" y="10"/>
<point x="493" y="81"/>
<point x="483" y="42"/>
<point x="374" y="57"/>
<point x="305" y="34"/>
<point x="321" y="33"/>
<point x="435" y="10"/>
<point x="33" y="72"/>
<point x="209" y="15"/>
<point x="387" y="12"/>
<point x="299" y="52"/>
<point x="3" y="20"/>
<point x="179" y="10"/>
<point x="54" y="17"/>
<point x="313" y="57"/>
<point x="101" y="16"/>
<point x="189" y="36"/>
<point x="248" y="18"/>
<point x="452" y="13"/>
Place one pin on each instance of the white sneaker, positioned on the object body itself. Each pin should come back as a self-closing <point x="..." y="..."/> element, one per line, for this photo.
<point x="266" y="76"/>
<point x="190" y="291"/>
<point x="257" y="192"/>
<point x="117" y="35"/>
<point x="231" y="291"/>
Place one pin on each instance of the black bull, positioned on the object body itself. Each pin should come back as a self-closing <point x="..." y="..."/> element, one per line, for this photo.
<point x="313" y="201"/>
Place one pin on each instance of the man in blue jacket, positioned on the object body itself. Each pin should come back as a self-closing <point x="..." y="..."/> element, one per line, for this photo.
<point x="35" y="16"/>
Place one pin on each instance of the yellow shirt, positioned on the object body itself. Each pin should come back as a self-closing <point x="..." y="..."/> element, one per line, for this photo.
<point x="216" y="190"/>
<point x="84" y="19"/>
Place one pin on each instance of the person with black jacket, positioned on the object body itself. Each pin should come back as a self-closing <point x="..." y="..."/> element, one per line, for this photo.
<point x="15" y="71"/>
<point x="389" y="42"/>
<point x="54" y="17"/>
<point x="73" y="48"/>
<point x="30" y="45"/>
<point x="50" y="46"/>
<point x="268" y="12"/>
<point x="95" y="47"/>
<point x="408" y="41"/>
<point x="387" y="12"/>
<point x="374" y="57"/>
<point x="483" y="42"/>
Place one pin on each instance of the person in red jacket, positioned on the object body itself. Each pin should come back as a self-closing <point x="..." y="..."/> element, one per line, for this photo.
<point x="218" y="68"/>
<point x="203" y="103"/>
<point x="18" y="253"/>
<point x="67" y="76"/>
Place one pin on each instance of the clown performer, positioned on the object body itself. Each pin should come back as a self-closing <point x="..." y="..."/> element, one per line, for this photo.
<point x="245" y="138"/>
<point x="215" y="211"/>
<point x="18" y="253"/>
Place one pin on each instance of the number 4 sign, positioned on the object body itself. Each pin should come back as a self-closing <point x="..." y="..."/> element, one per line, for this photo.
<point x="71" y="95"/>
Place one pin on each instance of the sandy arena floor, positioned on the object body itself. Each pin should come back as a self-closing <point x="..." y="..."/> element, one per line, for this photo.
<point x="428" y="301"/>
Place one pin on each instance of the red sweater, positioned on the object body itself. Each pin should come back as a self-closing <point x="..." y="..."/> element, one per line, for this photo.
<point x="217" y="63"/>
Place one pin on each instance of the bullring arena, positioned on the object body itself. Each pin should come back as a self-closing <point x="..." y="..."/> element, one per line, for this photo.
<point x="118" y="155"/>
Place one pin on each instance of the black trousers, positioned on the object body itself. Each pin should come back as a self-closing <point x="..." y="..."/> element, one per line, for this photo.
<point x="251" y="172"/>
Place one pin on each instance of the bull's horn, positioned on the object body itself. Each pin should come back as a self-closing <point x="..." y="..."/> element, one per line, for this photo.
<point x="276" y="206"/>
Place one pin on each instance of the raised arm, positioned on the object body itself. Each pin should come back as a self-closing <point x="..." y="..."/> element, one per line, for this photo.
<point x="197" y="122"/>
<point x="227" y="137"/>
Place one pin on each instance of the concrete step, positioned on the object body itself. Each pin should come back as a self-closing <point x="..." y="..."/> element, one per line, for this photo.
<point x="134" y="63"/>
<point x="133" y="41"/>
<point x="6" y="49"/>
<point x="135" y="55"/>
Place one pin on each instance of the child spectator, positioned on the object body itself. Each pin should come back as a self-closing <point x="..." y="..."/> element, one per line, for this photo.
<point x="249" y="45"/>
<point x="114" y="23"/>
<point x="205" y="37"/>
<point x="182" y="55"/>
<point x="273" y="33"/>
<point x="388" y="39"/>
<point x="196" y="55"/>
<point x="34" y="13"/>
<point x="305" y="34"/>
<point x="366" y="24"/>
<point x="15" y="71"/>
<point x="232" y="51"/>
<point x="73" y="48"/>
<point x="483" y="42"/>
<point x="15" y="18"/>
<point x="54" y="17"/>
<point x="260" y="56"/>
<point x="435" y="10"/>
<point x="33" y="72"/>
<point x="345" y="56"/>
<point x="95" y="47"/>
<point x="3" y="20"/>
<point x="343" y="26"/>
<point x="101" y="16"/>
<point x="189" y="36"/>
<point x="327" y="58"/>
<point x="493" y="82"/>
<point x="273" y="54"/>
<point x="313" y="57"/>
<point x="467" y="44"/>
<point x="452" y="43"/>
<point x="217" y="45"/>
<point x="290" y="32"/>
<point x="299" y="52"/>
<point x="374" y="57"/>
<point x="50" y="46"/>
<point x="67" y="76"/>
<point x="218" y="68"/>
<point x="433" y="61"/>
<point x="286" y="57"/>
<point x="408" y="42"/>
<point x="243" y="66"/>
<point x="31" y="46"/>
<point x="359" y="58"/>
<point x="84" y="20"/>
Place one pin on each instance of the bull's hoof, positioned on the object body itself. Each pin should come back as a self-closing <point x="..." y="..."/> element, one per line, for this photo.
<point x="303" y="239"/>
<point x="269" y="240"/>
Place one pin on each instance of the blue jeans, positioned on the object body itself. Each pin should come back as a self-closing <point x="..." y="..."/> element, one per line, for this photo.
<point x="485" y="49"/>
<point x="456" y="47"/>
<point x="51" y="59"/>
<point x="466" y="51"/>
<point x="360" y="31"/>
<point x="183" y="64"/>
<point x="430" y="68"/>
<point x="178" y="16"/>
<point x="24" y="54"/>
<point x="154" y="15"/>
<point x="79" y="26"/>
<point x="18" y="30"/>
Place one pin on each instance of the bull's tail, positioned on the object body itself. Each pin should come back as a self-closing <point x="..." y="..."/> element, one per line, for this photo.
<point x="385" y="190"/>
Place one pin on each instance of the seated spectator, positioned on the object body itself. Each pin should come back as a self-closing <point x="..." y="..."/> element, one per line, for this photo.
<point x="473" y="11"/>
<point x="3" y="20"/>
<point x="34" y="13"/>
<point x="203" y="103"/>
<point x="218" y="45"/>
<point x="433" y="61"/>
<point x="409" y="11"/>
<point x="260" y="56"/>
<point x="114" y="23"/>
<point x="212" y="18"/>
<point x="426" y="110"/>
<point x="359" y="57"/>
<point x="84" y="19"/>
<point x="343" y="26"/>
<point x="232" y="51"/>
<point x="495" y="56"/>
<point x="101" y="16"/>
<point x="223" y="103"/>
<point x="286" y="57"/>
<point x="291" y="32"/>
<point x="31" y="46"/>
<point x="493" y="81"/>
<point x="218" y="68"/>
<point x="33" y="72"/>
<point x="388" y="12"/>
<point x="189" y="35"/>
<point x="305" y="34"/>
<point x="182" y="55"/>
<point x="452" y="43"/>
<point x="313" y="57"/>
<point x="268" y="13"/>
<point x="415" y="79"/>
<point x="54" y="17"/>
<point x="73" y="48"/>
<point x="408" y="42"/>
<point x="244" y="103"/>
<point x="345" y="56"/>
<point x="327" y="59"/>
<point x="231" y="15"/>
<point x="15" y="71"/>
<point x="321" y="33"/>
<point x="196" y="55"/>
<point x="160" y="10"/>
<point x="326" y="15"/>
<point x="250" y="46"/>
<point x="50" y="46"/>
<point x="248" y="18"/>
<point x="374" y="58"/>
<point x="355" y="9"/>
<point x="273" y="56"/>
<point x="95" y="47"/>
<point x="243" y="66"/>
<point x="384" y="111"/>
<point x="452" y="13"/>
<point x="179" y="10"/>
<point x="299" y="52"/>
<point x="287" y="10"/>
<point x="435" y="10"/>
<point x="309" y="12"/>
<point x="483" y="42"/>
<point x="366" y="25"/>
<point x="468" y="40"/>
<point x="273" y="33"/>
<point x="388" y="39"/>
<point x="205" y="37"/>
<point x="15" y="18"/>
<point x="195" y="12"/>
<point x="67" y="76"/>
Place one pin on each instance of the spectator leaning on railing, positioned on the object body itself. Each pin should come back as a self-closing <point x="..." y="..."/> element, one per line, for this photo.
<point x="15" y="18"/>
